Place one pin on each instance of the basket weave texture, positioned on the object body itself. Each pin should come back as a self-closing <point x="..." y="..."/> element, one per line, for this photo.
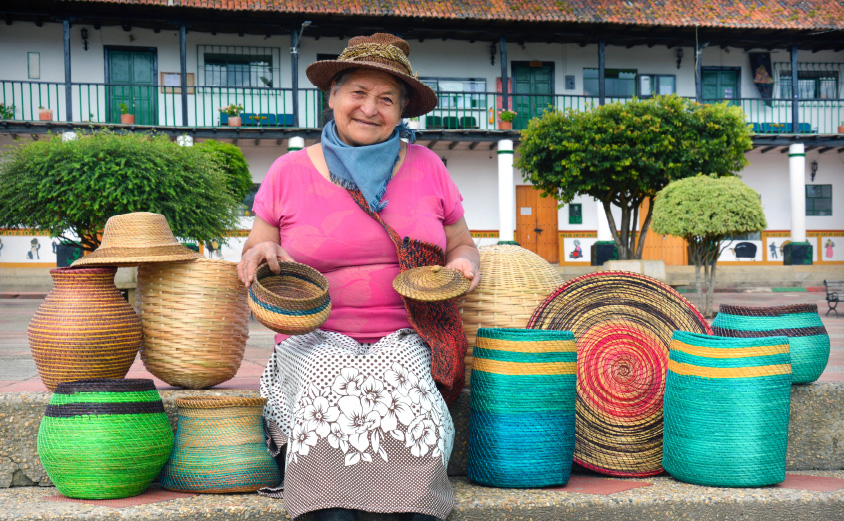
<point x="293" y="302"/>
<point x="195" y="321"/>
<point x="84" y="328"/>
<point x="431" y="283"/>
<point x="104" y="438"/>
<point x="518" y="438"/>
<point x="220" y="447"/>
<point x="513" y="282"/>
<point x="801" y="323"/>
<point x="623" y="324"/>
<point x="727" y="410"/>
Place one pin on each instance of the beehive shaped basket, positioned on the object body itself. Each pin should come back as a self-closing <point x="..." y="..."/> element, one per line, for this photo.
<point x="195" y="321"/>
<point x="514" y="281"/>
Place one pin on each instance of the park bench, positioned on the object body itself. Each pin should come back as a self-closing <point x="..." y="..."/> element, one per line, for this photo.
<point x="833" y="289"/>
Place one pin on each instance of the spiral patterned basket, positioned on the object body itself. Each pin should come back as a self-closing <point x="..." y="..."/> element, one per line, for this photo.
<point x="801" y="323"/>
<point x="293" y="302"/>
<point x="623" y="324"/>
<point x="103" y="438"/>
<point x="220" y="447"/>
<point x="727" y="409"/>
<point x="522" y="409"/>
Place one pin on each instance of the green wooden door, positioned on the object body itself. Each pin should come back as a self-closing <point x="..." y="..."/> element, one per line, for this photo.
<point x="719" y="85"/>
<point x="131" y="79"/>
<point x="533" y="89"/>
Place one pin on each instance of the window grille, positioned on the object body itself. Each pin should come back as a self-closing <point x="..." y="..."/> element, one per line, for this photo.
<point x="238" y="66"/>
<point x="814" y="80"/>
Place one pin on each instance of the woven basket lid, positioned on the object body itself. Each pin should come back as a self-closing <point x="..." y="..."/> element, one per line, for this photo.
<point x="133" y="238"/>
<point x="431" y="283"/>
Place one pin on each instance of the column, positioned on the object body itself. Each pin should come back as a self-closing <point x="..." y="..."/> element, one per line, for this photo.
<point x="506" y="192"/>
<point x="797" y="174"/>
<point x="295" y="143"/>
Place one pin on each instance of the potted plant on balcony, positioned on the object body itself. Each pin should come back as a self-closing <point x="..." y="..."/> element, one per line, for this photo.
<point x="840" y="127"/>
<point x="505" y="119"/>
<point x="125" y="117"/>
<point x="233" y="112"/>
<point x="7" y="111"/>
<point x="45" y="114"/>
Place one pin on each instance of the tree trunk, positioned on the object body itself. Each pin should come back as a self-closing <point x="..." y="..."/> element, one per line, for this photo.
<point x="710" y="290"/>
<point x="698" y="285"/>
<point x="645" y="226"/>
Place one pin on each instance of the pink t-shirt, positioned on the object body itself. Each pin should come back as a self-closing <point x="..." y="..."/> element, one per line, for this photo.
<point x="322" y="226"/>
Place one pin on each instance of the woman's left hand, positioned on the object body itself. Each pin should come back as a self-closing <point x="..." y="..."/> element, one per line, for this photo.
<point x="461" y="254"/>
<point x="469" y="270"/>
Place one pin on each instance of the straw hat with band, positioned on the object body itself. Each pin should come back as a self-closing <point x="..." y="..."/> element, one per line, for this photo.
<point x="381" y="52"/>
<point x="133" y="238"/>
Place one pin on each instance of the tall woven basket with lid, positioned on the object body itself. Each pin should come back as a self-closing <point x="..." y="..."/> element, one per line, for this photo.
<point x="195" y="321"/>
<point x="514" y="281"/>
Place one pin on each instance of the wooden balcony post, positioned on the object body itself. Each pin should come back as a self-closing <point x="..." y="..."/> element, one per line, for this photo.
<point x="505" y="92"/>
<point x="68" y="89"/>
<point x="294" y="74"/>
<point x="795" y="94"/>
<point x="602" y="85"/>
<point x="184" y="72"/>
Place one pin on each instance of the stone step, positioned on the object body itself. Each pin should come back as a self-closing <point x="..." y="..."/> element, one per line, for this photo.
<point x="816" y="430"/>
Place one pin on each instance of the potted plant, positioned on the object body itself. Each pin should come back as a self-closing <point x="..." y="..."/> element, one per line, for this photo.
<point x="505" y="119"/>
<point x="45" y="114"/>
<point x="840" y="127"/>
<point x="125" y="117"/>
<point x="233" y="112"/>
<point x="413" y="123"/>
<point x="7" y="111"/>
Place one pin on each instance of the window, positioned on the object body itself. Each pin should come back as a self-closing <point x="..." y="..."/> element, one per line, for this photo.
<point x="653" y="84"/>
<point x="231" y="66"/>
<point x="814" y="80"/>
<point x="619" y="83"/>
<point x="457" y="93"/>
<point x="818" y="199"/>
<point x="575" y="213"/>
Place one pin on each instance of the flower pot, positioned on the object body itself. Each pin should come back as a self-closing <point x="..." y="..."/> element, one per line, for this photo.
<point x="505" y="125"/>
<point x="127" y="119"/>
<point x="841" y="129"/>
<point x="235" y="121"/>
<point x="45" y="115"/>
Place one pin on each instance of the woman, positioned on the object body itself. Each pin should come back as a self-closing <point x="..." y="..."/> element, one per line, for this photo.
<point x="355" y="402"/>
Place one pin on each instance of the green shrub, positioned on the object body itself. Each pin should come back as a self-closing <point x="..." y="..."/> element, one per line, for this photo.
<point x="233" y="163"/>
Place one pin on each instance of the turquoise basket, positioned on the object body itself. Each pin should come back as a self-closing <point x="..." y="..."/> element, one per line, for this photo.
<point x="801" y="323"/>
<point x="522" y="408"/>
<point x="726" y="410"/>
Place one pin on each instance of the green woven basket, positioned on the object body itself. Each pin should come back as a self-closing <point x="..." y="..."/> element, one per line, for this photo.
<point x="104" y="438"/>
<point x="726" y="410"/>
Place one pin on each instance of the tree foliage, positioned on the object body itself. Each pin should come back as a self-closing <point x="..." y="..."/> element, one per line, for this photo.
<point x="234" y="165"/>
<point x="67" y="187"/>
<point x="705" y="211"/>
<point x="624" y="153"/>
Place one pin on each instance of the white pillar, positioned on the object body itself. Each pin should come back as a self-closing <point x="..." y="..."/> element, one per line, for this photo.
<point x="295" y="143"/>
<point x="604" y="233"/>
<point x="69" y="136"/>
<point x="797" y="174"/>
<point x="506" y="192"/>
<point x="184" y="140"/>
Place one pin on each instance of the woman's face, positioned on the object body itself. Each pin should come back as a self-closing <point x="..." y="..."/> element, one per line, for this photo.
<point x="367" y="107"/>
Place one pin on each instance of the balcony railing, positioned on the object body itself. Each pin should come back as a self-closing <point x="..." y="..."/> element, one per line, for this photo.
<point x="161" y="106"/>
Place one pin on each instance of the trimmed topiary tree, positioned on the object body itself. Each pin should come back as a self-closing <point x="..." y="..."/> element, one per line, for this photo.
<point x="234" y="165"/>
<point x="705" y="211"/>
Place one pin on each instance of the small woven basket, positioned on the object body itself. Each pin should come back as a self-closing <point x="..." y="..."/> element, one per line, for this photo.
<point x="220" y="447"/>
<point x="293" y="302"/>
<point x="513" y="282"/>
<point x="726" y="410"/>
<point x="522" y="409"/>
<point x="801" y="323"/>
<point x="104" y="438"/>
<point x="195" y="321"/>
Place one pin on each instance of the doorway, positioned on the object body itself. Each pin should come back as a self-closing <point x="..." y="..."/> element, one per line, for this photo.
<point x="720" y="83"/>
<point x="536" y="223"/>
<point x="533" y="90"/>
<point x="131" y="78"/>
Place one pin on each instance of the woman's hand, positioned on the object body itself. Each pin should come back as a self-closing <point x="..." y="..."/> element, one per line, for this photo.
<point x="461" y="253"/>
<point x="268" y="252"/>
<point x="469" y="270"/>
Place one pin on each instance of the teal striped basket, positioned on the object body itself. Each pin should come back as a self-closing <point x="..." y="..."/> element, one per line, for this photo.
<point x="726" y="410"/>
<point x="801" y="323"/>
<point x="522" y="408"/>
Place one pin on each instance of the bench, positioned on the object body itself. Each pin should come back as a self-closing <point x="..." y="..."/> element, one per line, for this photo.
<point x="833" y="288"/>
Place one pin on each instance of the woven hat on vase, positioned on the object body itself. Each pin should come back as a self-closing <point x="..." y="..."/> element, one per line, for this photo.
<point x="431" y="283"/>
<point x="381" y="52"/>
<point x="133" y="238"/>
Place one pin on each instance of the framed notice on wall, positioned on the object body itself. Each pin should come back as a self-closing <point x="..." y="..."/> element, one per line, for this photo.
<point x="171" y="83"/>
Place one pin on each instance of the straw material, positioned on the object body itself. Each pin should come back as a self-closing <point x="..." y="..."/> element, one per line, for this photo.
<point x="84" y="328"/>
<point x="220" y="447"/>
<point x="801" y="323"/>
<point x="431" y="283"/>
<point x="293" y="302"/>
<point x="513" y="282"/>
<point x="518" y="438"/>
<point x="195" y="321"/>
<point x="623" y="324"/>
<point x="104" y="439"/>
<point x="133" y="238"/>
<point x="727" y="410"/>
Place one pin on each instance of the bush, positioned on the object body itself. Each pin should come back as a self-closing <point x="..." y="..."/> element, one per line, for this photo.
<point x="233" y="163"/>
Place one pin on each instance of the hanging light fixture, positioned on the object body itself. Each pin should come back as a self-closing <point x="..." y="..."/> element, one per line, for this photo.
<point x="814" y="167"/>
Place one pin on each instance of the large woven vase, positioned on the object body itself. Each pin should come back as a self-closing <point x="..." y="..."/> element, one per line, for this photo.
<point x="104" y="438"/>
<point x="727" y="410"/>
<point x="522" y="412"/>
<point x="195" y="321"/>
<point x="514" y="281"/>
<point x="220" y="447"/>
<point x="84" y="328"/>
<point x="801" y="323"/>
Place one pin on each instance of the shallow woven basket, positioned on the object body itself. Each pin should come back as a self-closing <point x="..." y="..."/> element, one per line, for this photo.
<point x="104" y="438"/>
<point x="518" y="438"/>
<point x="801" y="323"/>
<point x="293" y="302"/>
<point x="195" y="321"/>
<point x="513" y="282"/>
<point x="727" y="410"/>
<point x="220" y="447"/>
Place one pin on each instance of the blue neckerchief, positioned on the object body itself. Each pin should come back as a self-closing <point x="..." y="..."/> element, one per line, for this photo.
<point x="366" y="168"/>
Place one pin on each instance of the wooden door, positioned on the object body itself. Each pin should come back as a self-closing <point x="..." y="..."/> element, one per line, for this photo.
<point x="131" y="79"/>
<point x="668" y="248"/>
<point x="719" y="84"/>
<point x="533" y="89"/>
<point x="536" y="223"/>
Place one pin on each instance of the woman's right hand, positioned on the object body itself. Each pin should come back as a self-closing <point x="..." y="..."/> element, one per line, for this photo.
<point x="268" y="252"/>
